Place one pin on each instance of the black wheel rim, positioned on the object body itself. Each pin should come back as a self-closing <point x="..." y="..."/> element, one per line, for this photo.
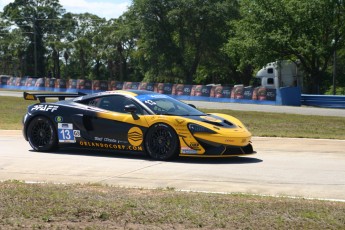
<point x="41" y="133"/>
<point x="161" y="142"/>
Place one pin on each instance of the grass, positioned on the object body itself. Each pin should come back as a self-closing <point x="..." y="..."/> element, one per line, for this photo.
<point x="101" y="207"/>
<point x="12" y="112"/>
<point x="260" y="124"/>
<point x="290" y="125"/>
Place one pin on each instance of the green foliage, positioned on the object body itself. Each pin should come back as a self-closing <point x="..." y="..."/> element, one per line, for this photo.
<point x="338" y="91"/>
<point x="35" y="19"/>
<point x="308" y="31"/>
<point x="12" y="45"/>
<point x="181" y="41"/>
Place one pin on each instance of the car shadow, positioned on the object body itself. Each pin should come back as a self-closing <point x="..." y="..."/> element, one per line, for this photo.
<point x="142" y="156"/>
<point x="227" y="160"/>
<point x="100" y="153"/>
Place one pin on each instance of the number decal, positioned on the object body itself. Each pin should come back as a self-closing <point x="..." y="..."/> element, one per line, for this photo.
<point x="150" y="102"/>
<point x="65" y="133"/>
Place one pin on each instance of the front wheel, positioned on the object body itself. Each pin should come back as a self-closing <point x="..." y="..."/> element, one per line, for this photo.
<point x="42" y="134"/>
<point x="161" y="142"/>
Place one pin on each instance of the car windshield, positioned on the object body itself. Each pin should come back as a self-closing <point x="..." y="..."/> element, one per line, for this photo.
<point x="162" y="104"/>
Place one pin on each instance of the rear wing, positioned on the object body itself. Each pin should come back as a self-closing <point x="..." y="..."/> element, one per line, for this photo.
<point x="42" y="96"/>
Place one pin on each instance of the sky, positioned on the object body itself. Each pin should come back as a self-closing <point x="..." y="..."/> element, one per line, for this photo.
<point x="103" y="8"/>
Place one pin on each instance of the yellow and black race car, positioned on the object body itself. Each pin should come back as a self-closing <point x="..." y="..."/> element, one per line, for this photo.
<point x="132" y="121"/>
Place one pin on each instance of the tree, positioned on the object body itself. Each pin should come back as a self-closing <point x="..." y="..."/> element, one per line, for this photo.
<point x="178" y="37"/>
<point x="307" y="31"/>
<point x="120" y="45"/>
<point x="5" y="52"/>
<point x="35" y="18"/>
<point x="84" y="56"/>
<point x="58" y="45"/>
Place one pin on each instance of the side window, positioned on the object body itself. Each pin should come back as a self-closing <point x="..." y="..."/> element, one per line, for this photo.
<point x="106" y="103"/>
<point x="93" y="102"/>
<point x="117" y="103"/>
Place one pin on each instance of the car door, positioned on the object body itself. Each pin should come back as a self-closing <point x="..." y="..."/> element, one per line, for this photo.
<point x="111" y="127"/>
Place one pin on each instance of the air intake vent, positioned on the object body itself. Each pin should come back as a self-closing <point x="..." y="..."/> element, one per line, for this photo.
<point x="228" y="122"/>
<point x="214" y="123"/>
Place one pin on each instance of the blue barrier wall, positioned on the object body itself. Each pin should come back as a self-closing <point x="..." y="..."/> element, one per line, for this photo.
<point x="289" y="96"/>
<point x="327" y="101"/>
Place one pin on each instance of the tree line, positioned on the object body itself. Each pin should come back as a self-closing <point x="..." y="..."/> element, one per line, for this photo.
<point x="180" y="41"/>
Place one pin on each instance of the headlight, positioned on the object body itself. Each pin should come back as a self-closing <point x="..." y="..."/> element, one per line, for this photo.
<point x="194" y="128"/>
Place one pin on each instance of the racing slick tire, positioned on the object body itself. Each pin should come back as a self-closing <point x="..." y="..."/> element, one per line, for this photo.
<point x="42" y="135"/>
<point x="161" y="142"/>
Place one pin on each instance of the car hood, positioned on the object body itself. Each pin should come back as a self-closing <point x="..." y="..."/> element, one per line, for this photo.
<point x="221" y="120"/>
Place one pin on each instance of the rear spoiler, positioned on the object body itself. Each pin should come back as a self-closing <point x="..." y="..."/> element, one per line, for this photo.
<point x="42" y="96"/>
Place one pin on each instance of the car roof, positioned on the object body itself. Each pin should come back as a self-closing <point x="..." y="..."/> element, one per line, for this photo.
<point x="131" y="93"/>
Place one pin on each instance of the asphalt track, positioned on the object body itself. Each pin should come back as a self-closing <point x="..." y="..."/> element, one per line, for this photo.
<point x="282" y="167"/>
<point x="309" y="168"/>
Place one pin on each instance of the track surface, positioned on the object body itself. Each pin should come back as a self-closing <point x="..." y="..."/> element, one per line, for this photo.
<point x="288" y="167"/>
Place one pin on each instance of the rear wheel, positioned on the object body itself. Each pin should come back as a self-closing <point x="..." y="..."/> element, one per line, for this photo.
<point x="161" y="142"/>
<point x="42" y="134"/>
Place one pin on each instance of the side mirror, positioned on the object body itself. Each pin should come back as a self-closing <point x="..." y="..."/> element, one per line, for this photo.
<point x="132" y="109"/>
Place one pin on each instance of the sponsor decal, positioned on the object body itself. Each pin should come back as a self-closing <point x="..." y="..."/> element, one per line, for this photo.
<point x="46" y="108"/>
<point x="187" y="150"/>
<point x="105" y="139"/>
<point x="179" y="121"/>
<point x="65" y="126"/>
<point x="66" y="133"/>
<point x="145" y="97"/>
<point x="110" y="146"/>
<point x="229" y="140"/>
<point x="58" y="119"/>
<point x="150" y="102"/>
<point x="194" y="145"/>
<point x="135" y="136"/>
<point x="180" y="125"/>
<point x="111" y="140"/>
<point x="76" y="133"/>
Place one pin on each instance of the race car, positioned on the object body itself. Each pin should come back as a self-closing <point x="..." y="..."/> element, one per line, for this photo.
<point x="132" y="121"/>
